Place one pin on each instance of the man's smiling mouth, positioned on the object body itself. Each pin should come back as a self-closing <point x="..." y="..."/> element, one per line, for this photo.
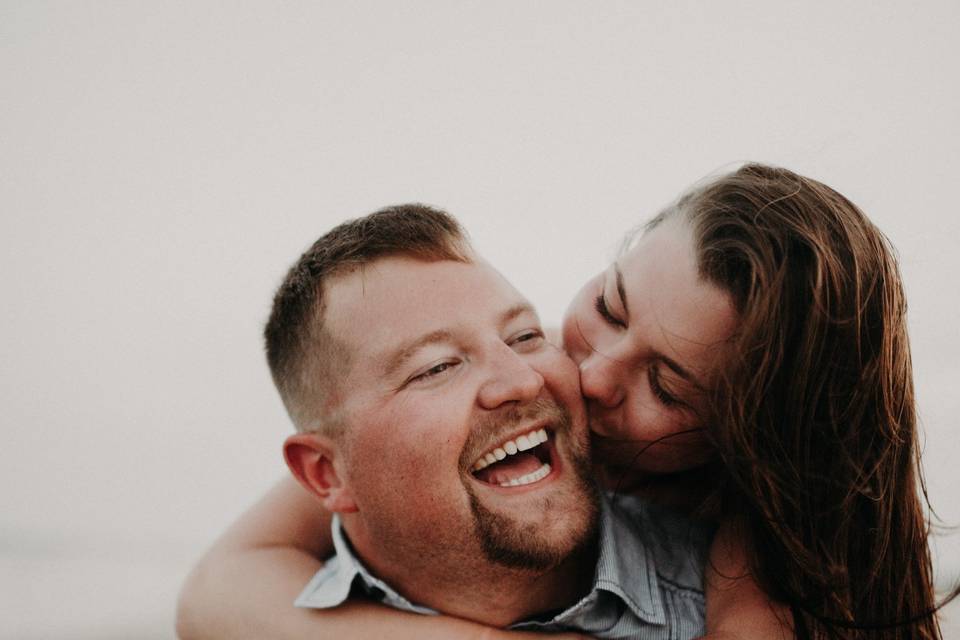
<point x="518" y="462"/>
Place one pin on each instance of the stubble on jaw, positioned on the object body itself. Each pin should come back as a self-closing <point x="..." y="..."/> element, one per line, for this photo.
<point x="522" y="545"/>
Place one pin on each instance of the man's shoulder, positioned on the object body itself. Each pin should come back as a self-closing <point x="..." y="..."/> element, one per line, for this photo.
<point x="677" y="544"/>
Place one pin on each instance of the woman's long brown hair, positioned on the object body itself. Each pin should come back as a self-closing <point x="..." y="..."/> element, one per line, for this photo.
<point x="814" y="419"/>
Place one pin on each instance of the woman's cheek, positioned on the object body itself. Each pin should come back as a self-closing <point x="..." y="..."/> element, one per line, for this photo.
<point x="646" y="425"/>
<point x="649" y="421"/>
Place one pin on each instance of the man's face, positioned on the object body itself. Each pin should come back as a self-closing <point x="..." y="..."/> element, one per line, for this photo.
<point x="465" y="434"/>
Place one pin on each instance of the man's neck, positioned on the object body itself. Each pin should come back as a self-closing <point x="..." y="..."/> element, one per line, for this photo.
<point x="507" y="596"/>
<point x="486" y="592"/>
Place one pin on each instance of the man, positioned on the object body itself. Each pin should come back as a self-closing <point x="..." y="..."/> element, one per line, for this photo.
<point x="450" y="439"/>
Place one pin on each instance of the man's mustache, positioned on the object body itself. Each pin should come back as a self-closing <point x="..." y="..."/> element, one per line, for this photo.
<point x="494" y="427"/>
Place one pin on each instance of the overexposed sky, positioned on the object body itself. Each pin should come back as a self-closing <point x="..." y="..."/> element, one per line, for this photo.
<point x="164" y="162"/>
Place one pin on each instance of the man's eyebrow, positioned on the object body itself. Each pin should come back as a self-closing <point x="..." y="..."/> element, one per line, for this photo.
<point x="620" y="289"/>
<point x="517" y="310"/>
<point x="403" y="353"/>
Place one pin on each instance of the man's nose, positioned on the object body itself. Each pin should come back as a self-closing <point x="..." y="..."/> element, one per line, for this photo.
<point x="600" y="380"/>
<point x="511" y="379"/>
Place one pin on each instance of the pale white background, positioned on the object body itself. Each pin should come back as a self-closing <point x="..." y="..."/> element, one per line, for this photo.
<point x="163" y="163"/>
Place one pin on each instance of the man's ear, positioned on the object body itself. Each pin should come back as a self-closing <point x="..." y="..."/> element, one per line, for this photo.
<point x="313" y="460"/>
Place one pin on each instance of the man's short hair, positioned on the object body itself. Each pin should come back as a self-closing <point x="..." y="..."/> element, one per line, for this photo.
<point x="305" y="360"/>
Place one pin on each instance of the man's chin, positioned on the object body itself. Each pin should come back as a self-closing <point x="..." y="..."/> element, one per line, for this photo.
<point x="539" y="528"/>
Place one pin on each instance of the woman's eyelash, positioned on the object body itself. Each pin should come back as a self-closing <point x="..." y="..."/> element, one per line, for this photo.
<point x="659" y="392"/>
<point x="600" y="304"/>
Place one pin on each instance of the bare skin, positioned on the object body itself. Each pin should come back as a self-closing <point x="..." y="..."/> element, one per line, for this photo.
<point x="282" y="538"/>
<point x="279" y="541"/>
<point x="619" y="351"/>
<point x="736" y="607"/>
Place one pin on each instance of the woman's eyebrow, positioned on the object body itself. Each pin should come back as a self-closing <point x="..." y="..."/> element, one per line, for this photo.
<point x="621" y="291"/>
<point x="676" y="368"/>
<point x="684" y="374"/>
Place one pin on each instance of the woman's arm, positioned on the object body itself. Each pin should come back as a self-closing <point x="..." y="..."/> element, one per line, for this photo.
<point x="245" y="585"/>
<point x="737" y="609"/>
<point x="253" y="572"/>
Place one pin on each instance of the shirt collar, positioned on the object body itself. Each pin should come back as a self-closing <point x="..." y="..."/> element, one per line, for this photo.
<point x="625" y="568"/>
<point x="331" y="586"/>
<point x="626" y="565"/>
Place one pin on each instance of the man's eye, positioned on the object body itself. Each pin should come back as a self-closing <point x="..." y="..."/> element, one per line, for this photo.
<point x="434" y="371"/>
<point x="601" y="306"/>
<point x="527" y="339"/>
<point x="527" y="336"/>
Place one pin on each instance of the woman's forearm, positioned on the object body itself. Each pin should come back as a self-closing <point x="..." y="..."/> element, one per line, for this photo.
<point x="247" y="594"/>
<point x="250" y="595"/>
<point x="245" y="585"/>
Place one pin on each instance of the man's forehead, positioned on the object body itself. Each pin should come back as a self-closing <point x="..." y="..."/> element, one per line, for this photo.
<point x="394" y="300"/>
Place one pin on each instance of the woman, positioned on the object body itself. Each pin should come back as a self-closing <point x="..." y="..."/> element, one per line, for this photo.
<point x="748" y="349"/>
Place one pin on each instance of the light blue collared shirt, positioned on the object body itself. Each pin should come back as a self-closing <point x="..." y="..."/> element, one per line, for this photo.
<point x="648" y="583"/>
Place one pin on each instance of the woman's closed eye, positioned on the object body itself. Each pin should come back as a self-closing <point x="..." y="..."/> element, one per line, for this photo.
<point x="600" y="304"/>
<point x="665" y="398"/>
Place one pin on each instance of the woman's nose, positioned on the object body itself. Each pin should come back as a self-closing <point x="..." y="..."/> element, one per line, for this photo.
<point x="600" y="380"/>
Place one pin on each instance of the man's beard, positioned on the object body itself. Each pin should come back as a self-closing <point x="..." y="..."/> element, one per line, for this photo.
<point x="522" y="545"/>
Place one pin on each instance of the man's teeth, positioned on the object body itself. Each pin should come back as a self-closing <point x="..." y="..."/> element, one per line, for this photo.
<point x="530" y="478"/>
<point x="513" y="447"/>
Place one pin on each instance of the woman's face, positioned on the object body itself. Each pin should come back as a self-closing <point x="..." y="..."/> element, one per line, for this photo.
<point x="648" y="334"/>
